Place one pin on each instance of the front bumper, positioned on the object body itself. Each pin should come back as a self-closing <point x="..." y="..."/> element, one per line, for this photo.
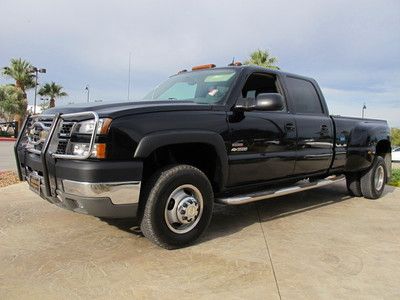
<point x="101" y="188"/>
<point x="108" y="200"/>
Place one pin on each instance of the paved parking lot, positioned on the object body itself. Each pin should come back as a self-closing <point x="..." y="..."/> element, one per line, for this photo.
<point x="316" y="244"/>
<point x="7" y="161"/>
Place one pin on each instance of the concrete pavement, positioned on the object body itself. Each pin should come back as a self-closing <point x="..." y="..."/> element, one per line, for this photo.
<point x="7" y="161"/>
<point x="312" y="245"/>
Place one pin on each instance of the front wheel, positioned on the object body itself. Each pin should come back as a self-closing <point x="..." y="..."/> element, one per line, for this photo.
<point x="178" y="208"/>
<point x="373" y="181"/>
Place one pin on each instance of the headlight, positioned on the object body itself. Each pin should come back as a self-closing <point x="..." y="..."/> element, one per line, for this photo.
<point x="80" y="145"/>
<point x="87" y="127"/>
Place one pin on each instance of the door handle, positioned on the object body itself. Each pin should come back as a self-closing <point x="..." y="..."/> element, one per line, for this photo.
<point x="290" y="127"/>
<point x="324" y="128"/>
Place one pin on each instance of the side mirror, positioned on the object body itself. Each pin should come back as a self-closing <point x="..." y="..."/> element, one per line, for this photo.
<point x="265" y="102"/>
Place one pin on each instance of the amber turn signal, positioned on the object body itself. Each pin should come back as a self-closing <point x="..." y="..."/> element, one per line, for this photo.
<point x="209" y="66"/>
<point x="105" y="126"/>
<point x="100" y="151"/>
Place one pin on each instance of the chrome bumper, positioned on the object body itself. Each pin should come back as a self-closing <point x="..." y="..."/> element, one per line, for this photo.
<point x="110" y="200"/>
<point x="118" y="192"/>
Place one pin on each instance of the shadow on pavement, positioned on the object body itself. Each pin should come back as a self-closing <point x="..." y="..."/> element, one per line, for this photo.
<point x="228" y="220"/>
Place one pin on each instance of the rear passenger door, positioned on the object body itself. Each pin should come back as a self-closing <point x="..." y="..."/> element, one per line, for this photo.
<point x="315" y="132"/>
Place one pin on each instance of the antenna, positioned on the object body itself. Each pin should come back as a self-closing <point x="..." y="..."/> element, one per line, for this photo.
<point x="129" y="76"/>
<point x="233" y="62"/>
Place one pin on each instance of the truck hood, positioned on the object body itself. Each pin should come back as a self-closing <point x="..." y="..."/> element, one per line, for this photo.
<point x="119" y="109"/>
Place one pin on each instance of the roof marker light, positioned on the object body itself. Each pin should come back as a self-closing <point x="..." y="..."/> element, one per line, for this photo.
<point x="201" y="67"/>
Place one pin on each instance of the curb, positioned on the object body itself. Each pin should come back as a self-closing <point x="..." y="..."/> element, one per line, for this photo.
<point x="7" y="139"/>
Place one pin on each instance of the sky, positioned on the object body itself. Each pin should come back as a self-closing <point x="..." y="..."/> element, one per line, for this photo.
<point x="352" y="48"/>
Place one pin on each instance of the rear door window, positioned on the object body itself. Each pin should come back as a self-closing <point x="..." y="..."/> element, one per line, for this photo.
<point x="304" y="95"/>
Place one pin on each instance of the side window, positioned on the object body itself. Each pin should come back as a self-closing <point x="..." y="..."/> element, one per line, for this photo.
<point x="304" y="96"/>
<point x="258" y="84"/>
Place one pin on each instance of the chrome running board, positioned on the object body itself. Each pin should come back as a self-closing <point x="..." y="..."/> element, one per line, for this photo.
<point x="300" y="186"/>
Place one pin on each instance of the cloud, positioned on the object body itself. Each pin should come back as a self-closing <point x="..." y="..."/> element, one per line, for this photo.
<point x="351" y="48"/>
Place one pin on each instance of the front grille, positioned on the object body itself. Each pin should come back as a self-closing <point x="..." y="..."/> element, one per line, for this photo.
<point x="62" y="147"/>
<point x="36" y="133"/>
<point x="64" y="136"/>
<point x="36" y="136"/>
<point x="37" y="130"/>
<point x="66" y="128"/>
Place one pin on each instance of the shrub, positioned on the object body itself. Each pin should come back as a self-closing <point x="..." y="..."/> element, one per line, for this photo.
<point x="395" y="179"/>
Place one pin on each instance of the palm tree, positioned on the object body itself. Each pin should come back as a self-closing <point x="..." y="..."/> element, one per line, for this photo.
<point x="53" y="91"/>
<point x="11" y="102"/>
<point x="262" y="58"/>
<point x="21" y="71"/>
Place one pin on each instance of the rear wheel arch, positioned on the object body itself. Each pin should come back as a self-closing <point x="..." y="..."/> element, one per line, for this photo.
<point x="384" y="149"/>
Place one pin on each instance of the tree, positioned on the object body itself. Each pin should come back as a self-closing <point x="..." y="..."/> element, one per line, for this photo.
<point x="395" y="134"/>
<point x="262" y="58"/>
<point x="53" y="91"/>
<point x="12" y="102"/>
<point x="44" y="105"/>
<point x="21" y="71"/>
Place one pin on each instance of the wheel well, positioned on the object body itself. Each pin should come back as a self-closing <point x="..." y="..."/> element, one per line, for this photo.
<point x="200" y="155"/>
<point x="383" y="147"/>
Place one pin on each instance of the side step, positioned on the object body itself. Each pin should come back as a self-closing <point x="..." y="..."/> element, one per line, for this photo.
<point x="300" y="186"/>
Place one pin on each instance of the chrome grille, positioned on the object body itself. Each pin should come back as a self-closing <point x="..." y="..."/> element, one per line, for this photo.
<point x="36" y="133"/>
<point x="38" y="130"/>
<point x="64" y="135"/>
<point x="62" y="147"/>
<point x="66" y="128"/>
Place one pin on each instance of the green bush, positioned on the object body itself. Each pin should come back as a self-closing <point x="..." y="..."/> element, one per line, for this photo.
<point x="395" y="179"/>
<point x="4" y="134"/>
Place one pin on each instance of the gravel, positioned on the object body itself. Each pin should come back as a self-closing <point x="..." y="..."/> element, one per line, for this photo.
<point x="8" y="178"/>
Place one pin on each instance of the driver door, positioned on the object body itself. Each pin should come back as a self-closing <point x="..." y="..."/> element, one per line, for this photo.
<point x="263" y="143"/>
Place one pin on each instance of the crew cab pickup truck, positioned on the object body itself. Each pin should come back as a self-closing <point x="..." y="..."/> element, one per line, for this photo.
<point x="231" y="135"/>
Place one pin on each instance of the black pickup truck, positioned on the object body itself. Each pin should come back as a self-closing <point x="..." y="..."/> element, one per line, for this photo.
<point x="231" y="135"/>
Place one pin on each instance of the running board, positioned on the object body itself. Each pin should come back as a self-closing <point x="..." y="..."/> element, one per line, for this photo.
<point x="300" y="186"/>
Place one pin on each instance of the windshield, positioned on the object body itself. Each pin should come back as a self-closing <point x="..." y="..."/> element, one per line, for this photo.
<point x="204" y="87"/>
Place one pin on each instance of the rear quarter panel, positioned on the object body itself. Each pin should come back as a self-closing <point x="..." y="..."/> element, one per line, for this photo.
<point x="355" y="142"/>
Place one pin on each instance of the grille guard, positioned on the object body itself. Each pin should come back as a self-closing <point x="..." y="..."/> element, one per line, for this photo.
<point x="92" y="138"/>
<point x="81" y="116"/>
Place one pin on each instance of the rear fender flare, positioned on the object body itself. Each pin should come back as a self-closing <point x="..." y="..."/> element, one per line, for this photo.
<point x="363" y="141"/>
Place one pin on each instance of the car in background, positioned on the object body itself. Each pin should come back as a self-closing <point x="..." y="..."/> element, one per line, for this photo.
<point x="396" y="154"/>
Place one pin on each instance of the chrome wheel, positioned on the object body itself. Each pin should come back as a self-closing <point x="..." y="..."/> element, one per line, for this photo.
<point x="183" y="209"/>
<point x="379" y="178"/>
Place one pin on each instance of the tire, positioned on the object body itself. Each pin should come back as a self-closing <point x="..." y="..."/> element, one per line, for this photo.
<point x="353" y="184"/>
<point x="373" y="181"/>
<point x="179" y="206"/>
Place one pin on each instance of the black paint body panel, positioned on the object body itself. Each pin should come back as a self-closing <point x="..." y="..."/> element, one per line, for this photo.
<point x="253" y="147"/>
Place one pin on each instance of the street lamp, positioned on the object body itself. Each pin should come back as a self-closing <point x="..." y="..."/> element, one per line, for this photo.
<point x="36" y="71"/>
<point x="88" y="92"/>
<point x="363" y="110"/>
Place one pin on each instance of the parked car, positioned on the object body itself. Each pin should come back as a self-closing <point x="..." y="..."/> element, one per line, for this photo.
<point x="396" y="154"/>
<point x="231" y="135"/>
